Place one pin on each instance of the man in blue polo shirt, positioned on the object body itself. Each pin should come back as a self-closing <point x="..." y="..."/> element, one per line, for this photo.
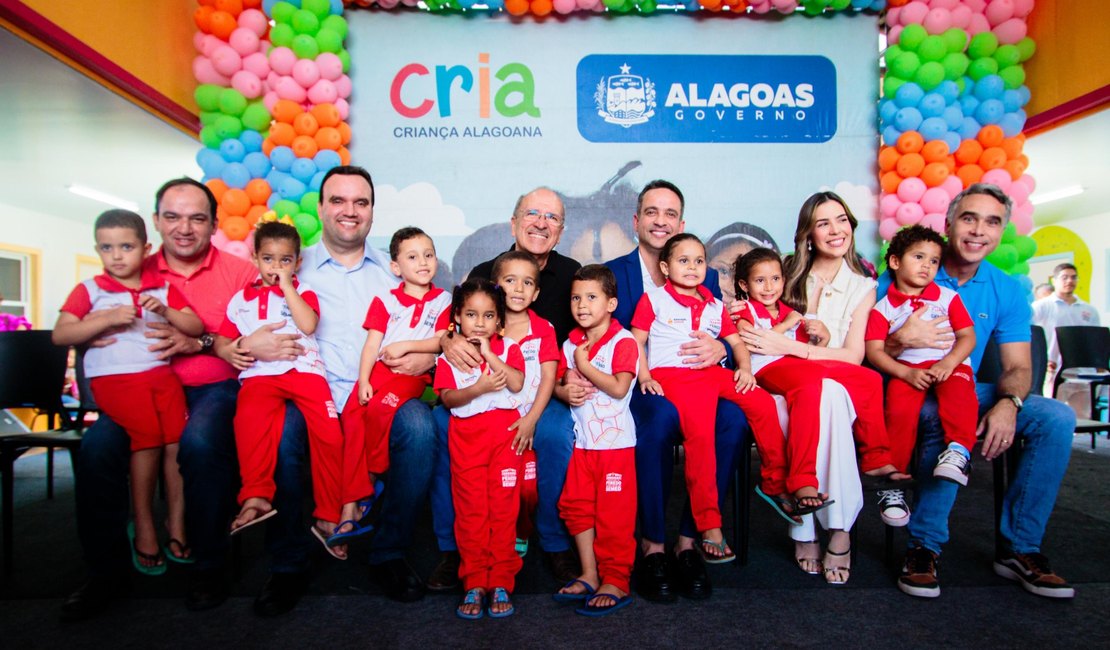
<point x="996" y="302"/>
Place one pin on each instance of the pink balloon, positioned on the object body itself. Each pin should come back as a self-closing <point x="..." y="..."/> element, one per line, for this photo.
<point x="243" y="41"/>
<point x="255" y="21"/>
<point x="961" y="16"/>
<point x="269" y="100"/>
<point x="247" y="83"/>
<point x="892" y="16"/>
<point x="952" y="186"/>
<point x="387" y="4"/>
<point x="226" y="60"/>
<point x="944" y="4"/>
<point x="978" y="24"/>
<point x="282" y="60"/>
<point x="909" y="214"/>
<point x="976" y="6"/>
<point x="288" y="88"/>
<point x="1022" y="8"/>
<point x="934" y="220"/>
<point x="999" y="177"/>
<point x="257" y="64"/>
<point x="999" y="11"/>
<point x="343" y="107"/>
<point x="330" y="65"/>
<point x="343" y="86"/>
<point x="238" y="249"/>
<point x="888" y="228"/>
<point x="938" y="21"/>
<point x="198" y="41"/>
<point x="589" y="4"/>
<point x="323" y="92"/>
<point x="219" y="239"/>
<point x="785" y="6"/>
<point x="272" y="79"/>
<point x="1028" y="181"/>
<point x="564" y="6"/>
<point x="910" y="190"/>
<point x="914" y="13"/>
<point x="1018" y="192"/>
<point x="206" y="73"/>
<point x="209" y="45"/>
<point x="893" y="34"/>
<point x="1011" y="31"/>
<point x="306" y="73"/>
<point x="888" y="205"/>
<point x="935" y="199"/>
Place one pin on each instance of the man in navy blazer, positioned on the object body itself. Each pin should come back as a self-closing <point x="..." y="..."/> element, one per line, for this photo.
<point x="658" y="217"/>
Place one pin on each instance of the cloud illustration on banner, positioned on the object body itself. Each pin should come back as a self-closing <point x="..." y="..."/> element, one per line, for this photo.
<point x="421" y="205"/>
<point x="861" y="200"/>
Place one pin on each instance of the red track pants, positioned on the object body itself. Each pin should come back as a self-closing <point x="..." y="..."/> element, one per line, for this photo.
<point x="694" y="394"/>
<point x="150" y="405"/>
<point x="371" y="423"/>
<point x="957" y="403"/>
<point x="529" y="495"/>
<point x="259" y="417"/>
<point x="600" y="493"/>
<point x="485" y="486"/>
<point x="799" y="380"/>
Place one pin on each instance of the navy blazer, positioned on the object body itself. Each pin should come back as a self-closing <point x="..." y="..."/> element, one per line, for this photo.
<point x="630" y="285"/>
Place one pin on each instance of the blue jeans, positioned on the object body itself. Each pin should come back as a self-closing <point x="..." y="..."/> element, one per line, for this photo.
<point x="553" y="442"/>
<point x="1045" y="427"/>
<point x="657" y="433"/>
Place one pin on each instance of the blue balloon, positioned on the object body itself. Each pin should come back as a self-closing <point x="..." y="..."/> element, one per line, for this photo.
<point x="236" y="175"/>
<point x="969" y="87"/>
<point x="859" y="5"/>
<point x="891" y="135"/>
<point x="990" y="87"/>
<point x="952" y="139"/>
<point x="908" y="119"/>
<point x="302" y="169"/>
<point x="1011" y="99"/>
<point x="908" y="94"/>
<point x="273" y="198"/>
<point x="232" y="150"/>
<point x="325" y="159"/>
<point x="932" y="105"/>
<point x="933" y="128"/>
<point x="317" y="180"/>
<point x="969" y="130"/>
<point x="1011" y="124"/>
<point x="968" y="104"/>
<point x="1024" y="91"/>
<point x="211" y="162"/>
<point x="337" y="7"/>
<point x="282" y="158"/>
<point x="257" y="164"/>
<point x="291" y="189"/>
<point x="252" y="140"/>
<point x="268" y="7"/>
<point x="275" y="178"/>
<point x="948" y="89"/>
<point x="953" y="116"/>
<point x="990" y="111"/>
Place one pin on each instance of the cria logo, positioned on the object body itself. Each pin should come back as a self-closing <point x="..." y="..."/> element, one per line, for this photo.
<point x="412" y="96"/>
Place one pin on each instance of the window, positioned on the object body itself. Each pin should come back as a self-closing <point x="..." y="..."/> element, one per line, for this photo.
<point x="19" y="281"/>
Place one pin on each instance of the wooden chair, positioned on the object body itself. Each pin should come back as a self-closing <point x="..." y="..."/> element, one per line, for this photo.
<point x="1083" y="346"/>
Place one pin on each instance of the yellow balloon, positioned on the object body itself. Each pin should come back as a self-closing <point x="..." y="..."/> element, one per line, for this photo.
<point x="1054" y="240"/>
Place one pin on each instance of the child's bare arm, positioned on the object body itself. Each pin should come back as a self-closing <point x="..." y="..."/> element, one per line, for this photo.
<point x="643" y="377"/>
<point x="792" y="319"/>
<point x="878" y="356"/>
<point x="487" y="383"/>
<point x="303" y="315"/>
<point x="71" y="330"/>
<point x="185" y="320"/>
<point x="961" y="350"/>
<point x="366" y="363"/>
<point x="514" y="378"/>
<point x="615" y="386"/>
<point x="399" y="349"/>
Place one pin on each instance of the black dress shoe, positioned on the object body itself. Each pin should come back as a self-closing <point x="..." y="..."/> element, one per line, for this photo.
<point x="653" y="580"/>
<point x="397" y="580"/>
<point x="281" y="594"/>
<point x="564" y="566"/>
<point x="445" y="577"/>
<point x="690" y="576"/>
<point x="94" y="597"/>
<point x="207" y="589"/>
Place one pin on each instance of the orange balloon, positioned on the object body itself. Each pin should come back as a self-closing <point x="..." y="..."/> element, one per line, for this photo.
<point x="541" y="7"/>
<point x="711" y="5"/>
<point x="969" y="152"/>
<point x="305" y="124"/>
<point x="344" y="155"/>
<point x="344" y="132"/>
<point x="910" y="142"/>
<point x="222" y="24"/>
<point x="286" y="110"/>
<point x="1024" y="160"/>
<point x="282" y="133"/>
<point x="1012" y="147"/>
<point x="909" y="165"/>
<point x="304" y="146"/>
<point x="252" y="4"/>
<point x="236" y="228"/>
<point x="992" y="158"/>
<point x="326" y="114"/>
<point x="254" y="214"/>
<point x="207" y="3"/>
<point x="935" y="151"/>
<point x="888" y="158"/>
<point x="235" y="202"/>
<point x="1015" y="169"/>
<point x="221" y="214"/>
<point x="935" y="173"/>
<point x="328" y="138"/>
<point x="258" y="190"/>
<point x="218" y="188"/>
<point x="889" y="182"/>
<point x="203" y="18"/>
<point x="268" y="146"/>
<point x="516" y="7"/>
<point x="969" y="174"/>
<point x="950" y="163"/>
<point x="991" y="135"/>
<point x="233" y="7"/>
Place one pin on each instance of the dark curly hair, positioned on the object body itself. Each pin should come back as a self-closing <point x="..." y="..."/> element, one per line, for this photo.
<point x="744" y="264"/>
<point x="513" y="256"/>
<point x="601" y="274"/>
<point x="668" y="248"/>
<point x="905" y="238"/>
<point x="276" y="230"/>
<point x="477" y="285"/>
<point x="403" y="235"/>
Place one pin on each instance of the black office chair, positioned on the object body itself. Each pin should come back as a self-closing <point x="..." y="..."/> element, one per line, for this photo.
<point x="1083" y="346"/>
<point x="32" y="375"/>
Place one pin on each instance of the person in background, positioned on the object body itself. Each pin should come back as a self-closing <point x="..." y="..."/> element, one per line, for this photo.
<point x="1043" y="290"/>
<point x="1062" y="308"/>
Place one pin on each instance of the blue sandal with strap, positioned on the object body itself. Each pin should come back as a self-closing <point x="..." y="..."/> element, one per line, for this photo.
<point x="472" y="597"/>
<point x="358" y="528"/>
<point x="501" y="597"/>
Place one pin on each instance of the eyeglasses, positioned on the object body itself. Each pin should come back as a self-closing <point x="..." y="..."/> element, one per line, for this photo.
<point x="550" y="217"/>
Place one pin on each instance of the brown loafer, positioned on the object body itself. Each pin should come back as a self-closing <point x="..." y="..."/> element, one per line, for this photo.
<point x="564" y="566"/>
<point x="445" y="577"/>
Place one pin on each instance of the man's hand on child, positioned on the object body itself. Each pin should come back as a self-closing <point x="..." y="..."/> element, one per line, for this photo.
<point x="482" y="344"/>
<point x="702" y="352"/>
<point x="460" y="353"/>
<point x="152" y="304"/>
<point x="525" y="432"/>
<point x="171" y="341"/>
<point x="918" y="333"/>
<point x="745" y="380"/>
<point x="265" y="345"/>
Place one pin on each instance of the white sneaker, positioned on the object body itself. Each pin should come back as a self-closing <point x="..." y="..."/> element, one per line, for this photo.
<point x="893" y="508"/>
<point x="952" y="465"/>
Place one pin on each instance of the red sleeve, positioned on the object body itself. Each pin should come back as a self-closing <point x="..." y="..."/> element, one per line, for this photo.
<point x="229" y="329"/>
<point x="514" y="359"/>
<point x="376" y="317"/>
<point x="563" y="366"/>
<point x="727" y="326"/>
<point x="877" y="327"/>
<point x="958" y="317"/>
<point x="626" y="357"/>
<point x="800" y="332"/>
<point x="312" y="300"/>
<point x="175" y="299"/>
<point x="747" y="315"/>
<point x="78" y="303"/>
<point x="445" y="378"/>
<point x="444" y="320"/>
<point x="549" y="348"/>
<point x="644" y="315"/>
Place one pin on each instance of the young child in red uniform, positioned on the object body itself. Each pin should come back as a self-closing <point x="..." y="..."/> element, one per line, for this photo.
<point x="599" y="497"/>
<point x="260" y="410"/>
<point x="485" y="468"/>
<point x="410" y="318"/>
<point x="914" y="258"/>
<point x="132" y="386"/>
<point x="518" y="276"/>
<point x="758" y="276"/>
<point x="664" y="319"/>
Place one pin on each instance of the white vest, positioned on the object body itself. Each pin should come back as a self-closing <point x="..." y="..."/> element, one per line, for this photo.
<point x="448" y="376"/>
<point x="603" y="422"/>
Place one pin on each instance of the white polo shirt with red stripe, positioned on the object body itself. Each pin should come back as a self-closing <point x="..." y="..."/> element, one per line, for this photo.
<point x="760" y="317"/>
<point x="891" y="313"/>
<point x="604" y="422"/>
<point x="450" y="377"/>
<point x="401" y="317"/>
<point x="129" y="354"/>
<point x="259" y="305"/>
<point x="669" y="317"/>
<point x="537" y="347"/>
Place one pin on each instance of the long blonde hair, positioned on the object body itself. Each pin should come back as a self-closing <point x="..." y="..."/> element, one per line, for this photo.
<point x="797" y="266"/>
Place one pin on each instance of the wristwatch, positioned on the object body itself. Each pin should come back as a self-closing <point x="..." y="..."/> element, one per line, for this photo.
<point x="1017" y="401"/>
<point x="206" y="340"/>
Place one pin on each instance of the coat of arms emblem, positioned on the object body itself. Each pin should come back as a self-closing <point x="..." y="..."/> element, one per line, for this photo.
<point x="625" y="99"/>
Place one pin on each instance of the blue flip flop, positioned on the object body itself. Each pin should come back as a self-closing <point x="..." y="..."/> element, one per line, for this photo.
<point x="604" y="610"/>
<point x="367" y="504"/>
<point x="472" y="597"/>
<point x="357" y="530"/>
<point x="779" y="504"/>
<point x="136" y="555"/>
<point x="500" y="596"/>
<point x="574" y="598"/>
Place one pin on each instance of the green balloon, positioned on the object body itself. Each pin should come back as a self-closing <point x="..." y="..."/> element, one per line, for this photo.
<point x="932" y="48"/>
<point x="286" y="208"/>
<point x="955" y="65"/>
<point x="281" y="35"/>
<point x="980" y="68"/>
<point x="929" y="75"/>
<point x="840" y="5"/>
<point x="648" y="6"/>
<point x="1026" y="247"/>
<point x="208" y="118"/>
<point x="210" y="138"/>
<point x="228" y="127"/>
<point x="961" y="84"/>
<point x="207" y="96"/>
<point x="328" y="41"/>
<point x="283" y="12"/>
<point x="345" y="57"/>
<point x="306" y="224"/>
<point x="335" y="23"/>
<point x="1026" y="47"/>
<point x="305" y="47"/>
<point x="892" y="52"/>
<point x="319" y="8"/>
<point x="1013" y="76"/>
<point x="891" y="84"/>
<point x="813" y="7"/>
<point x="982" y="44"/>
<point x="256" y="117"/>
<point x="232" y="102"/>
<point x="1007" y="55"/>
<point x="905" y="65"/>
<point x="1019" y="268"/>
<point x="955" y="39"/>
<point x="305" y="22"/>
<point x="311" y="241"/>
<point x="309" y="201"/>
<point x="912" y="36"/>
<point x="1009" y="233"/>
<point x="1004" y="256"/>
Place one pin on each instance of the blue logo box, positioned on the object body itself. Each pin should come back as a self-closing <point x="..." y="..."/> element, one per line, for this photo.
<point x="706" y="98"/>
